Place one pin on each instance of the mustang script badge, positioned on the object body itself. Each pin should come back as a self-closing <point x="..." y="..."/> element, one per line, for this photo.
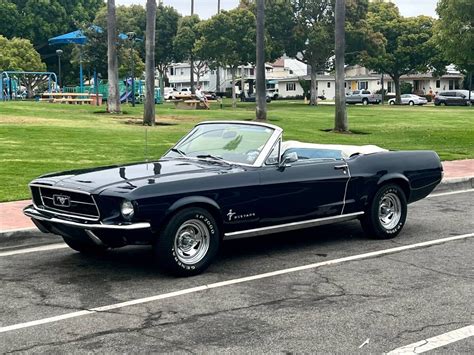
<point x="61" y="200"/>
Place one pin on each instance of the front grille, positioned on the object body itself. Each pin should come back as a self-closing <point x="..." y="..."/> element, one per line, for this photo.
<point x="72" y="203"/>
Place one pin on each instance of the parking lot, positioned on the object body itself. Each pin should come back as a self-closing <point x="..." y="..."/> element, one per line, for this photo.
<point x="328" y="289"/>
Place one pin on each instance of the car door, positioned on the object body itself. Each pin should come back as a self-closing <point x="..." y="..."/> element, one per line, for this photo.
<point x="352" y="98"/>
<point x="308" y="189"/>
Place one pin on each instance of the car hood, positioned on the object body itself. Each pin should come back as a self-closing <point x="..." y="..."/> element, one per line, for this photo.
<point x="131" y="176"/>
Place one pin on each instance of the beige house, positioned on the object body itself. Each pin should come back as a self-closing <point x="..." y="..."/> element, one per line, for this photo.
<point x="360" y="78"/>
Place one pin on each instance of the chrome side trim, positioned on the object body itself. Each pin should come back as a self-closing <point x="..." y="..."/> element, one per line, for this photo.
<point x="345" y="190"/>
<point x="291" y="226"/>
<point x="31" y="212"/>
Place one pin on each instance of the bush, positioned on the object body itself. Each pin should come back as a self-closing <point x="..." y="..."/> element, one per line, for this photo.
<point x="406" y="88"/>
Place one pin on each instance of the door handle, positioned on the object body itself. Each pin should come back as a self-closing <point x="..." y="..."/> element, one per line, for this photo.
<point x="339" y="167"/>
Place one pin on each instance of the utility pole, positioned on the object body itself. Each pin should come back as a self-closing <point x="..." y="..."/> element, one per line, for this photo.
<point x="191" y="61"/>
<point x="218" y="69"/>
<point x="59" y="52"/>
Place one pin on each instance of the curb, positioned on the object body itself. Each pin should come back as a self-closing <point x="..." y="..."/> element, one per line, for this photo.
<point x="24" y="234"/>
<point x="455" y="184"/>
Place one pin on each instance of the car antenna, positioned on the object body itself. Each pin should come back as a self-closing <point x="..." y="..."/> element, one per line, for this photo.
<point x="146" y="144"/>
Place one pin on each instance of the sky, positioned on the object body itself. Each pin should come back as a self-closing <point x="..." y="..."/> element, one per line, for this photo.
<point x="207" y="8"/>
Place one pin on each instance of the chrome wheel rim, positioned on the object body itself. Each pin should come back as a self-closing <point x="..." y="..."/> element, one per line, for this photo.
<point x="390" y="211"/>
<point x="191" y="242"/>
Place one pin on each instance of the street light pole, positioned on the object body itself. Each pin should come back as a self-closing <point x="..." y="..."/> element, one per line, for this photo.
<point x="59" y="52"/>
<point x="131" y="37"/>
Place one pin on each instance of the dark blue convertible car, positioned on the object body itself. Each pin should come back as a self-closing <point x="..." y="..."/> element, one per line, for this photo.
<point x="229" y="179"/>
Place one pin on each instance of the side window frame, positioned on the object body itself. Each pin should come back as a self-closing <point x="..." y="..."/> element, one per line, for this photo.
<point x="278" y="146"/>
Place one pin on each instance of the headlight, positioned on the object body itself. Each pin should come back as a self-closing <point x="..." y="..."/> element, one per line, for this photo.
<point x="127" y="209"/>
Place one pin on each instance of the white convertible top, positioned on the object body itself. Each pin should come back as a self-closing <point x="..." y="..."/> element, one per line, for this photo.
<point x="346" y="150"/>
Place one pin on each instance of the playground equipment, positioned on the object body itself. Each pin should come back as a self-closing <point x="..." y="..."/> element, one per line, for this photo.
<point x="124" y="89"/>
<point x="11" y="87"/>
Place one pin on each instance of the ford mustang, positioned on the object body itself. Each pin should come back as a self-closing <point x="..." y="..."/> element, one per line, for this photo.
<point x="225" y="180"/>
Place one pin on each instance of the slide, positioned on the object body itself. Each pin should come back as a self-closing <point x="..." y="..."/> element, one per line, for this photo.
<point x="125" y="96"/>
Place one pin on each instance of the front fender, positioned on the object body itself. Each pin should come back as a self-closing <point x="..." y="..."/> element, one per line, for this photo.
<point x="190" y="201"/>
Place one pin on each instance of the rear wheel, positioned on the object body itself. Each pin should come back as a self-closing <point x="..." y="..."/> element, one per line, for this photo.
<point x="365" y="102"/>
<point x="411" y="103"/>
<point x="386" y="215"/>
<point x="391" y="102"/>
<point x="189" y="242"/>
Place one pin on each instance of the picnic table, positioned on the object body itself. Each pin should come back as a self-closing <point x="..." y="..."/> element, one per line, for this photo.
<point x="71" y="98"/>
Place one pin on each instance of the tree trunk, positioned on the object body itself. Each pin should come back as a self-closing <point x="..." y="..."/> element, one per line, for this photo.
<point x="313" y="101"/>
<point x="261" y="85"/>
<point x="162" y="84"/>
<point x="398" y="89"/>
<point x="191" y="78"/>
<point x="149" y="113"/>
<point x="234" y="103"/>
<point x="113" y="101"/>
<point x="340" y="121"/>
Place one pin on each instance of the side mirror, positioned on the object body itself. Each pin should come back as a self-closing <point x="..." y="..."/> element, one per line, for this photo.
<point x="288" y="159"/>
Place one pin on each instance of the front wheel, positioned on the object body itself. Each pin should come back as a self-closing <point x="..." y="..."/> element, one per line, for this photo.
<point x="387" y="213"/>
<point x="189" y="242"/>
<point x="365" y="102"/>
<point x="411" y="103"/>
<point x="391" y="102"/>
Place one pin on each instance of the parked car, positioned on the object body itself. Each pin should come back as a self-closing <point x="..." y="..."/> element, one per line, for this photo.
<point x="210" y="95"/>
<point x="246" y="97"/>
<point x="170" y="93"/>
<point x="273" y="93"/>
<point x="226" y="180"/>
<point x="183" y="92"/>
<point x="364" y="97"/>
<point x="410" y="99"/>
<point x="454" y="98"/>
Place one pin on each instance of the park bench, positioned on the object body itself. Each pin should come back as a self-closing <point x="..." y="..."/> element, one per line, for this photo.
<point x="68" y="97"/>
<point x="189" y="105"/>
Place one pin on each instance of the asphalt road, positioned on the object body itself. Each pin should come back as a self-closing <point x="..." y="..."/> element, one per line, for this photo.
<point x="392" y="300"/>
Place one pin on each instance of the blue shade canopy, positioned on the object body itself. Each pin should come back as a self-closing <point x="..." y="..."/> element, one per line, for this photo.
<point x="78" y="37"/>
<point x="75" y="37"/>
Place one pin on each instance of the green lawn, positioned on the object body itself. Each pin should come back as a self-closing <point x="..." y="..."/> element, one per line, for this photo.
<point x="36" y="138"/>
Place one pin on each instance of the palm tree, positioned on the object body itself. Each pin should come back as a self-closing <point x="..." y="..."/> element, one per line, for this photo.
<point x="149" y="113"/>
<point x="261" y="90"/>
<point x="113" y="101"/>
<point x="340" y="121"/>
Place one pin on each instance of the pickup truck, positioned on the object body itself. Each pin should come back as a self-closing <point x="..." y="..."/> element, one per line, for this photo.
<point x="364" y="97"/>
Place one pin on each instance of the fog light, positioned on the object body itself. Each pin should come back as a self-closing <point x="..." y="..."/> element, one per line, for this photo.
<point x="127" y="209"/>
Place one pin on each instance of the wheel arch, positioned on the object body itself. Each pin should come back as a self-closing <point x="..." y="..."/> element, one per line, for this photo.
<point x="195" y="201"/>
<point x="397" y="179"/>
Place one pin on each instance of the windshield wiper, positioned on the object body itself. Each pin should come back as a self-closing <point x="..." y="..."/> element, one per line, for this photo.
<point x="179" y="151"/>
<point x="205" y="156"/>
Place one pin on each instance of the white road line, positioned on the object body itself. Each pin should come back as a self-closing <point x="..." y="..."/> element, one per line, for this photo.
<point x="435" y="342"/>
<point x="232" y="282"/>
<point x="35" y="249"/>
<point x="450" y="193"/>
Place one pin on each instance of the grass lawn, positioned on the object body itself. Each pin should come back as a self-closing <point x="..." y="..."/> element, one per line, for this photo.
<point x="36" y="138"/>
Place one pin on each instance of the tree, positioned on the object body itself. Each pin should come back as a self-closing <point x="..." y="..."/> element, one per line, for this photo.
<point x="184" y="42"/>
<point x="149" y="112"/>
<point x="18" y="54"/>
<point x="340" y="121"/>
<point x="261" y="86"/>
<point x="235" y="48"/>
<point x="455" y="33"/>
<point x="407" y="43"/>
<point x="167" y="19"/>
<point x="113" y="101"/>
<point x="315" y="29"/>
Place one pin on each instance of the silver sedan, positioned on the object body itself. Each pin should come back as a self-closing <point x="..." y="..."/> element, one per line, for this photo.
<point x="410" y="99"/>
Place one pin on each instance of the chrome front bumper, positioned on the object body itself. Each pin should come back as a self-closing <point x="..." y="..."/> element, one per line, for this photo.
<point x="34" y="213"/>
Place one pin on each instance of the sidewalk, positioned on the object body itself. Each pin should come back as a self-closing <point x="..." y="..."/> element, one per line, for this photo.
<point x="458" y="174"/>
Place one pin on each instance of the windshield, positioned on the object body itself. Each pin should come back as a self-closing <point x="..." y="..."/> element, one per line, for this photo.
<point x="237" y="143"/>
